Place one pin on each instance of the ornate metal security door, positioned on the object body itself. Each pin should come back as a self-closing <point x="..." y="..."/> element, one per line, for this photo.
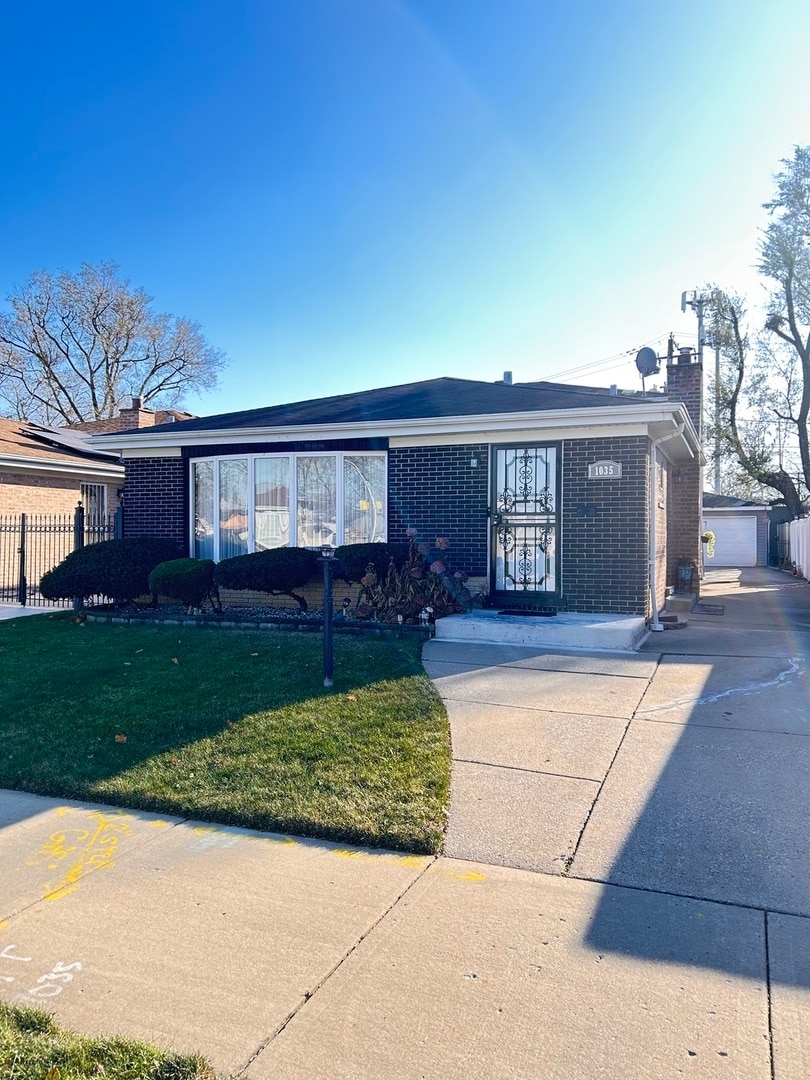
<point x="525" y="521"/>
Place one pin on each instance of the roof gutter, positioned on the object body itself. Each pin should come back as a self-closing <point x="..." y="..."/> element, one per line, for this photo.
<point x="656" y="624"/>
<point x="103" y="470"/>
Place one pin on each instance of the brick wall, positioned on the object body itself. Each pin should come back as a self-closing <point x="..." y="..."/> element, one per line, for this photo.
<point x="21" y="494"/>
<point x="155" y="499"/>
<point x="436" y="491"/>
<point x="605" y="531"/>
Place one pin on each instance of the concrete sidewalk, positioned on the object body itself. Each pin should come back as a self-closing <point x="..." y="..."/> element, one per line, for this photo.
<point x="15" y="611"/>
<point x="627" y="896"/>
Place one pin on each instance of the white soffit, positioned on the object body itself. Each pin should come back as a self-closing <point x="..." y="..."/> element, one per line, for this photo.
<point x="655" y="420"/>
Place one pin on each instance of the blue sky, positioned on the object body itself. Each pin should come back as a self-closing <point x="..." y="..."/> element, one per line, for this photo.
<point x="355" y="193"/>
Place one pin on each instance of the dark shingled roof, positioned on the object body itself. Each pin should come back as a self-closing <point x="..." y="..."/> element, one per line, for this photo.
<point x="419" y="400"/>
<point x="712" y="501"/>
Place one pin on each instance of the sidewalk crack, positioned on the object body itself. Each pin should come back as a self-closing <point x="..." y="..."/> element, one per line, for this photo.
<point x="310" y="994"/>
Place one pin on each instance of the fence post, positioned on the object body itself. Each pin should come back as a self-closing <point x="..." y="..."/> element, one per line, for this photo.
<point x="118" y="523"/>
<point x="22" y="591"/>
<point x="78" y="527"/>
<point x="78" y="543"/>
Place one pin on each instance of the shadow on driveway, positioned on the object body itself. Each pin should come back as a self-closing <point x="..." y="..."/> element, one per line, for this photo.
<point x="708" y="796"/>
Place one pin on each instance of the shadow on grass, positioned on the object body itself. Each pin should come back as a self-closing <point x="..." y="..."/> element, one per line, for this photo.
<point x="228" y="726"/>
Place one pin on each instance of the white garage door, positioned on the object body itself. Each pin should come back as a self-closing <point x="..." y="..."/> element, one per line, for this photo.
<point x="735" y="541"/>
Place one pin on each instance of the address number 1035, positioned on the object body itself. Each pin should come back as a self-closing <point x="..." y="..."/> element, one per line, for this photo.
<point x="605" y="470"/>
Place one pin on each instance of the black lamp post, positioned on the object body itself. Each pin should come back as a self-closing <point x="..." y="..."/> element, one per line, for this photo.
<point x="328" y="560"/>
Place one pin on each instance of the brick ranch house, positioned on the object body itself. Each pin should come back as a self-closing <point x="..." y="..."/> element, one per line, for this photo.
<point x="550" y="494"/>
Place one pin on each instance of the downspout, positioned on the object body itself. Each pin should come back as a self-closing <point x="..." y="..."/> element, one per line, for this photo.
<point x="656" y="624"/>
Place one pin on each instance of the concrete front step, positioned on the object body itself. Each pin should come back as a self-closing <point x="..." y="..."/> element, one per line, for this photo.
<point x="566" y="629"/>
<point x="681" y="601"/>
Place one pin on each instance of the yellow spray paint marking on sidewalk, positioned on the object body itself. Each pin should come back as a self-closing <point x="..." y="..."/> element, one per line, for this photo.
<point x="461" y="875"/>
<point x="81" y="850"/>
<point x="407" y="861"/>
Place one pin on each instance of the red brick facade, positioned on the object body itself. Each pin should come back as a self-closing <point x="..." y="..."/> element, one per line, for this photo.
<point x="685" y="517"/>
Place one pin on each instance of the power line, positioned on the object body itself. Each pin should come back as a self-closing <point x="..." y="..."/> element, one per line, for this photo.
<point x="608" y="361"/>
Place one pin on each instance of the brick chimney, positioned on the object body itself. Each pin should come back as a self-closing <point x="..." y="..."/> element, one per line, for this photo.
<point x="136" y="416"/>
<point x="685" y="383"/>
<point x="685" y="518"/>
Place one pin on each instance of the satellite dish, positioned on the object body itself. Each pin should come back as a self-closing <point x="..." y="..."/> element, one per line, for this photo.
<point x="647" y="362"/>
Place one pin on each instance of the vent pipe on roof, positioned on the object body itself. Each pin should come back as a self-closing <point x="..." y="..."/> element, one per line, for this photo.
<point x="614" y="390"/>
<point x="507" y="378"/>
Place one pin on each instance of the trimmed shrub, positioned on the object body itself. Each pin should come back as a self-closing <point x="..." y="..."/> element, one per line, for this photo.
<point x="279" y="572"/>
<point x="190" y="581"/>
<point x="356" y="558"/>
<point x="119" y="569"/>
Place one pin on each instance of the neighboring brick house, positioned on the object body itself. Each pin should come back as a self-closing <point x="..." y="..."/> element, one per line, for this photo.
<point x="551" y="494"/>
<point x="48" y="470"/>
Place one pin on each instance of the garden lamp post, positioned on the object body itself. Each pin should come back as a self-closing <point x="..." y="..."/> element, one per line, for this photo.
<point x="328" y="560"/>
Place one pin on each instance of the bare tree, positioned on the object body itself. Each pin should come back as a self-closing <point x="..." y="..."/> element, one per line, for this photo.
<point x="751" y="429"/>
<point x="74" y="347"/>
<point x="764" y="391"/>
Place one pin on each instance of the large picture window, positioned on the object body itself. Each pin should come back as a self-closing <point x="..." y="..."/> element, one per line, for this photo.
<point x="263" y="501"/>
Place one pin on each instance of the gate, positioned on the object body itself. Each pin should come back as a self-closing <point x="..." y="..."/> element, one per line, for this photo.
<point x="32" y="544"/>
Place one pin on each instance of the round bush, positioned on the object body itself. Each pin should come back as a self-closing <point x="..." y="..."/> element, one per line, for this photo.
<point x="278" y="571"/>
<point x="118" y="569"/>
<point x="189" y="581"/>
<point x="355" y="558"/>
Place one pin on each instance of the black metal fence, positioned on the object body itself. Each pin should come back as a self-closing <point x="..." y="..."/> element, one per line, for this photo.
<point x="32" y="544"/>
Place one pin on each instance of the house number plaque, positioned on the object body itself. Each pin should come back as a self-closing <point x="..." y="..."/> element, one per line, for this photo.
<point x="605" y="470"/>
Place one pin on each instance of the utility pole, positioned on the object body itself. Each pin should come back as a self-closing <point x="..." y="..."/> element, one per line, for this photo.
<point x="717" y="413"/>
<point x="698" y="304"/>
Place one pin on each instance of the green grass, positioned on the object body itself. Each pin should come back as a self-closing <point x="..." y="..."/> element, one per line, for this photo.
<point x="228" y="726"/>
<point x="32" y="1047"/>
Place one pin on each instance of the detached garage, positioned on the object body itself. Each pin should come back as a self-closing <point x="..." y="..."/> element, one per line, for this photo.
<point x="740" y="529"/>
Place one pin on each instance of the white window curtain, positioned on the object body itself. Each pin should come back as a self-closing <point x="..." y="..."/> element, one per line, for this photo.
<point x="233" y="507"/>
<point x="271" y="501"/>
<point x="317" y="501"/>
<point x="202" y="501"/>
<point x="364" y="510"/>
<point x="263" y="501"/>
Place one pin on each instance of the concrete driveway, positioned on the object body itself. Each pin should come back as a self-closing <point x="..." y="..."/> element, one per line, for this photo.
<point x="624" y="891"/>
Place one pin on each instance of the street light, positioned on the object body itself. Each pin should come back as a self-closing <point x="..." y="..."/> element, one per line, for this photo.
<point x="328" y="561"/>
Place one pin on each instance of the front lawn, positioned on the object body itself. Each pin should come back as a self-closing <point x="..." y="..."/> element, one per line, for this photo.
<point x="228" y="726"/>
<point x="32" y="1047"/>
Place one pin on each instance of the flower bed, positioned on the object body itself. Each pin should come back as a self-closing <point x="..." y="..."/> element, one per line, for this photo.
<point x="249" y="618"/>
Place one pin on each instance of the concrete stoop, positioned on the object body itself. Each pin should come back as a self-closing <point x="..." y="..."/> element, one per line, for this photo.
<point x="566" y="629"/>
<point x="681" y="602"/>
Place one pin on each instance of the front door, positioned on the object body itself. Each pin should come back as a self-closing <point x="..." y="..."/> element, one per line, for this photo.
<point x="525" y="523"/>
